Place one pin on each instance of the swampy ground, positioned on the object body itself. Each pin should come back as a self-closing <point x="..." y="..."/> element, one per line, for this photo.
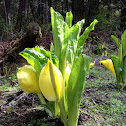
<point x="102" y="104"/>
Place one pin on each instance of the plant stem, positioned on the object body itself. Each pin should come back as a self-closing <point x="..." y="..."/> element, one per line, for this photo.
<point x="63" y="113"/>
<point x="42" y="100"/>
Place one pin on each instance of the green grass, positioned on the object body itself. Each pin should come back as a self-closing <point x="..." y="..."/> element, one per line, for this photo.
<point x="103" y="102"/>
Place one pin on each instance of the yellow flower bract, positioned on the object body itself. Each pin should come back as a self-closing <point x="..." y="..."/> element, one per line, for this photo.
<point x="28" y="79"/>
<point x="109" y="64"/>
<point x="47" y="87"/>
<point x="92" y="64"/>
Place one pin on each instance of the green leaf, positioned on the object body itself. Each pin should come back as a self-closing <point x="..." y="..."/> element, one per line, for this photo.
<point x="120" y="52"/>
<point x="62" y="59"/>
<point x="57" y="22"/>
<point x="118" y="68"/>
<point x="38" y="56"/>
<point x="124" y="70"/>
<point x="123" y="41"/>
<point x="76" y="84"/>
<point x="84" y="36"/>
<point x="32" y="61"/>
<point x="41" y="50"/>
<point x="115" y="39"/>
<point x="69" y="18"/>
<point x="72" y="40"/>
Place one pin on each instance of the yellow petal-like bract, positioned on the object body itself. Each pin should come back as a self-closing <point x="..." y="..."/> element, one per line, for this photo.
<point x="109" y="64"/>
<point x="46" y="85"/>
<point x="92" y="64"/>
<point x="28" y="79"/>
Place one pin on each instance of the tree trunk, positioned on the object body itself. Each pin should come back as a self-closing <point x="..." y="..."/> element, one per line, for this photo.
<point x="7" y="10"/>
<point x="91" y="6"/>
<point x="123" y="15"/>
<point x="66" y="2"/>
<point x="80" y="9"/>
<point x="38" y="9"/>
<point x="21" y="13"/>
<point x="50" y="3"/>
<point x="74" y="10"/>
<point x="33" y="10"/>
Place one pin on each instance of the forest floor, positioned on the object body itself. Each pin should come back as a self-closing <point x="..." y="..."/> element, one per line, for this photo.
<point x="102" y="104"/>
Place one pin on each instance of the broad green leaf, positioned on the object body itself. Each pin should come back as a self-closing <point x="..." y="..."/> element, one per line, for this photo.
<point x="57" y="22"/>
<point x="69" y="18"/>
<point x="84" y="36"/>
<point x="124" y="70"/>
<point x="75" y="87"/>
<point x="115" y="39"/>
<point x="32" y="61"/>
<point x="66" y="32"/>
<point x="123" y="41"/>
<point x="38" y="56"/>
<point x="118" y="68"/>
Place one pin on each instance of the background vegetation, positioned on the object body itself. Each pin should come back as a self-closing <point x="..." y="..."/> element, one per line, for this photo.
<point x="15" y="15"/>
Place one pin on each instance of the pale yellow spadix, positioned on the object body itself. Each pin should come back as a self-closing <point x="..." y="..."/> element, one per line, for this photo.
<point x="68" y="71"/>
<point x="51" y="82"/>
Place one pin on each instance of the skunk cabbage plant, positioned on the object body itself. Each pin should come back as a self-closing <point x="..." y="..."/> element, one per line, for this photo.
<point x="117" y="64"/>
<point x="62" y="70"/>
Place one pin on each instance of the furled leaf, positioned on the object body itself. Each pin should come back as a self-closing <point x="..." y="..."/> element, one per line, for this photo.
<point x="115" y="39"/>
<point x="84" y="36"/>
<point x="123" y="41"/>
<point x="69" y="18"/>
<point x="75" y="87"/>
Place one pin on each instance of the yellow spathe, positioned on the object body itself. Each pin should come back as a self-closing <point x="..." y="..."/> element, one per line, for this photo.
<point x="28" y="79"/>
<point x="92" y="64"/>
<point x="109" y="64"/>
<point x="52" y="91"/>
